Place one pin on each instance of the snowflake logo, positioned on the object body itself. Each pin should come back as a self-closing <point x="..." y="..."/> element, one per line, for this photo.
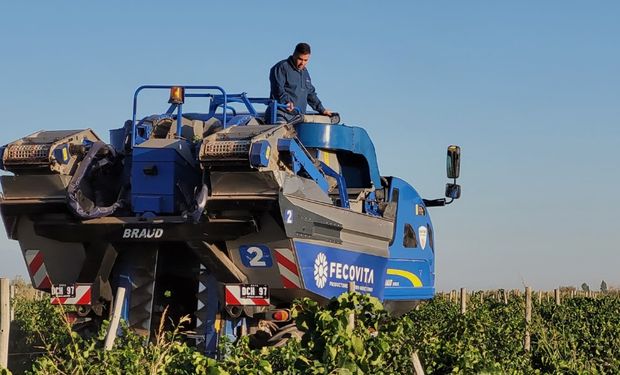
<point x="320" y="270"/>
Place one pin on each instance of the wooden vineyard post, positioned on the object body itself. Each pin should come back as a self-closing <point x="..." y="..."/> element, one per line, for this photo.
<point x="5" y="323"/>
<point x="12" y="304"/>
<point x="417" y="365"/>
<point x="540" y="297"/>
<point x="116" y="317"/>
<point x="351" y="317"/>
<point x="528" y="317"/>
<point x="463" y="300"/>
<point x="505" y="297"/>
<point x="556" y="292"/>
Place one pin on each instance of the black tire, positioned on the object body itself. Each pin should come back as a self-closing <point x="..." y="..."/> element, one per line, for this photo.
<point x="284" y="334"/>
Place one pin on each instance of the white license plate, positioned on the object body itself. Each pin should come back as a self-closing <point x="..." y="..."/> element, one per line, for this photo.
<point x="63" y="290"/>
<point x="254" y="291"/>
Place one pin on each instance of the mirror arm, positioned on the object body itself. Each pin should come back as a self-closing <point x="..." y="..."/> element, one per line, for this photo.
<point x="435" y="202"/>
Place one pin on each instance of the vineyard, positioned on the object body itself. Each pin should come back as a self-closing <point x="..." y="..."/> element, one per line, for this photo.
<point x="351" y="335"/>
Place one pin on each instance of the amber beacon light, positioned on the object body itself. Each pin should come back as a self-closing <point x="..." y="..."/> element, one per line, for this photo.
<point x="177" y="95"/>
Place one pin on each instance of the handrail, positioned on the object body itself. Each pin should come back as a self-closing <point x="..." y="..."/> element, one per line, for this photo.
<point x="179" y="106"/>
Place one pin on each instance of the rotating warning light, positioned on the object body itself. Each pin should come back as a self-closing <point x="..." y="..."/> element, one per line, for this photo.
<point x="177" y="95"/>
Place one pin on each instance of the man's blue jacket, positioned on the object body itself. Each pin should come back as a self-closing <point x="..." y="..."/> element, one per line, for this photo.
<point x="288" y="84"/>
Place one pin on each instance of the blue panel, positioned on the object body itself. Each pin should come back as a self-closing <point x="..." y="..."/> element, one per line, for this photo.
<point x="259" y="153"/>
<point x="155" y="154"/>
<point x="327" y="271"/>
<point x="341" y="137"/>
<point x="152" y="203"/>
<point x="61" y="154"/>
<point x="411" y="270"/>
<point x="156" y="178"/>
<point x="255" y="256"/>
<point x="408" y="279"/>
<point x="117" y="138"/>
<point x="161" y="182"/>
<point x="408" y="198"/>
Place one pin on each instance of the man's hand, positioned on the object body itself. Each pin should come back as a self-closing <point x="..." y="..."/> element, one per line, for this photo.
<point x="290" y="106"/>
<point x="327" y="112"/>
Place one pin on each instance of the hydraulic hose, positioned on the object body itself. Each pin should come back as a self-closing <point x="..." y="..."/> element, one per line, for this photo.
<point x="75" y="197"/>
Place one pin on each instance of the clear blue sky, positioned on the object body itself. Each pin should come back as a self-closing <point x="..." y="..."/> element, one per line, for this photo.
<point x="529" y="89"/>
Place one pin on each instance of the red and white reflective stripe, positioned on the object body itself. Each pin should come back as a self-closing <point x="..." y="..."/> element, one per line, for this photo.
<point x="289" y="273"/>
<point x="37" y="270"/>
<point x="233" y="298"/>
<point x="82" y="296"/>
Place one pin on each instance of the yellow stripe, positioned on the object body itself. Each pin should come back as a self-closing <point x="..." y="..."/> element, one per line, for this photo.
<point x="407" y="275"/>
<point x="218" y="323"/>
<point x="325" y="157"/>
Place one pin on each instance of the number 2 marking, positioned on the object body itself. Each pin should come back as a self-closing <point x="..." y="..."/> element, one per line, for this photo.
<point x="289" y="216"/>
<point x="257" y="260"/>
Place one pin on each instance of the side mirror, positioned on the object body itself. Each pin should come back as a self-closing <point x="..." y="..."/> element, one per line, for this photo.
<point x="453" y="169"/>
<point x="453" y="191"/>
<point x="453" y="162"/>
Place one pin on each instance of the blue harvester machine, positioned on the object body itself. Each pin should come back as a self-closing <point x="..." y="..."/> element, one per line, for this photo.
<point x="222" y="215"/>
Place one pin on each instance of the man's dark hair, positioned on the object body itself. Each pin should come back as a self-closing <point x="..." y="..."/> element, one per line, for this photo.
<point x="302" y="49"/>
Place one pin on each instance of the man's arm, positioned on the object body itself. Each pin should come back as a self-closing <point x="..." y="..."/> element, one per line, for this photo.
<point x="313" y="100"/>
<point x="277" y="78"/>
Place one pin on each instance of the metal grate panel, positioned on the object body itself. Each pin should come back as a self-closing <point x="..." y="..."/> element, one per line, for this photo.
<point x="227" y="148"/>
<point x="38" y="152"/>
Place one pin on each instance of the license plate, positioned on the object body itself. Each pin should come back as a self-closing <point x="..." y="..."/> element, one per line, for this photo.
<point x="254" y="291"/>
<point x="63" y="290"/>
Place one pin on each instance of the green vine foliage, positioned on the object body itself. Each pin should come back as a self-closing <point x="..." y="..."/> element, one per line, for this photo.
<point x="353" y="334"/>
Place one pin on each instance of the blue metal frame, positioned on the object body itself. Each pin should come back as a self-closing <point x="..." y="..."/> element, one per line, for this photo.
<point x="302" y="161"/>
<point x="211" y="335"/>
<point x="217" y="101"/>
<point x="178" y="107"/>
<point x="342" y="186"/>
<point x="341" y="137"/>
<point x="274" y="109"/>
<point x="271" y="104"/>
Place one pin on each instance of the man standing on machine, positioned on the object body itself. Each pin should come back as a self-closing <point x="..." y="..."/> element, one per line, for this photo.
<point x="291" y="86"/>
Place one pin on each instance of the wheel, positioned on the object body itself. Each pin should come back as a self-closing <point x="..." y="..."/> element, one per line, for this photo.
<point x="271" y="334"/>
<point x="284" y="334"/>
